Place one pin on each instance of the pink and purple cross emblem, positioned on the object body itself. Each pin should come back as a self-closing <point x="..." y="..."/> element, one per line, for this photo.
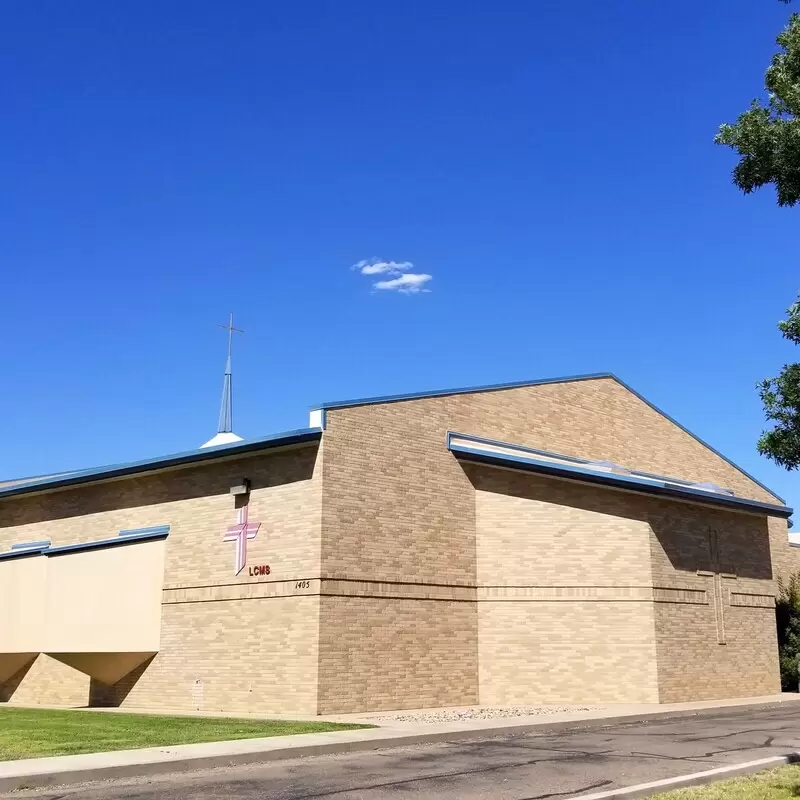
<point x="240" y="533"/>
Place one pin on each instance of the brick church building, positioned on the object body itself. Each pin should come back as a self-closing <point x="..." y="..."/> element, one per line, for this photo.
<point x="557" y="541"/>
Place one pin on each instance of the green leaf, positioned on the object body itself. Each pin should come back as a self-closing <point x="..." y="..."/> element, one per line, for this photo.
<point x="767" y="135"/>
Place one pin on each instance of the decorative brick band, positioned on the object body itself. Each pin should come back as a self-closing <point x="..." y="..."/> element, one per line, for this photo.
<point x="240" y="591"/>
<point x="752" y="600"/>
<point x="549" y="594"/>
<point x="399" y="590"/>
<point x="329" y="587"/>
<point x="675" y="595"/>
<point x="603" y="594"/>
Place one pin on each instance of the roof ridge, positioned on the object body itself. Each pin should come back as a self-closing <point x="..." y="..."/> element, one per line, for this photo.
<point x="489" y="387"/>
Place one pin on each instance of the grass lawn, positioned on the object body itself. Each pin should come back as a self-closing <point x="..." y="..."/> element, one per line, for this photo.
<point x="28" y="733"/>
<point x="775" y="784"/>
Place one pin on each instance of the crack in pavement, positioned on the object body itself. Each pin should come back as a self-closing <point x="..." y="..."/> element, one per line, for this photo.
<point x="577" y="755"/>
<point x="598" y="785"/>
<point x="504" y="767"/>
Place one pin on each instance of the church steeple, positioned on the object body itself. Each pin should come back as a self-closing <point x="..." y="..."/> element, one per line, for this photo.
<point x="225" y="434"/>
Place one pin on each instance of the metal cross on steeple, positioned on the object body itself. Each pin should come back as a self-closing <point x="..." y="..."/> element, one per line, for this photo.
<point x="226" y="407"/>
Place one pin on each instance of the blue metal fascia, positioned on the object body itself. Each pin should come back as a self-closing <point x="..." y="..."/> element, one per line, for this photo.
<point x="23" y="553"/>
<point x="138" y="531"/>
<point x="160" y="533"/>
<point x="28" y="478"/>
<point x="573" y="459"/>
<point x="31" y="545"/>
<point x="629" y="482"/>
<point x="300" y="436"/>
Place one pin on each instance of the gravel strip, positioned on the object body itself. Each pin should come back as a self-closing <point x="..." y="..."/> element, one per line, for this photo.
<point x="461" y="714"/>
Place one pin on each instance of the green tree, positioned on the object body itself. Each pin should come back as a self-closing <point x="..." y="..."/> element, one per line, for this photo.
<point x="767" y="135"/>
<point x="767" y="139"/>
<point x="787" y="615"/>
<point x="781" y="399"/>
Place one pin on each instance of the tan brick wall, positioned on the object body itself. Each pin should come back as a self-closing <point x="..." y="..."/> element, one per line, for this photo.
<point x="546" y="532"/>
<point x="571" y="651"/>
<point x="250" y="640"/>
<point x="378" y="653"/>
<point x="48" y="683"/>
<point x="383" y="582"/>
<point x="692" y="666"/>
<point x="196" y="503"/>
<point x="785" y="557"/>
<point x="391" y="518"/>
<point x="726" y="645"/>
<point x="398" y="507"/>
<point x="565" y="614"/>
<point x="236" y="656"/>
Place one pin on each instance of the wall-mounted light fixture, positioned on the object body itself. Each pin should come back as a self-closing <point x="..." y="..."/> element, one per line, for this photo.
<point x="243" y="487"/>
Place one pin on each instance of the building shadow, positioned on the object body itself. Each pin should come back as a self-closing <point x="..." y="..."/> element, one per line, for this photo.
<point x="707" y="539"/>
<point x="101" y="695"/>
<point x="690" y="536"/>
<point x="11" y="685"/>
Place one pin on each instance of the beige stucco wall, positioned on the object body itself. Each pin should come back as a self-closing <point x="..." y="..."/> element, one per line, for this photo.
<point x="106" y="600"/>
<point x="98" y="610"/>
<point x="22" y="604"/>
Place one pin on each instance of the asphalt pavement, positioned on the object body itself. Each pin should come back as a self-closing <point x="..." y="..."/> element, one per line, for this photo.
<point x="522" y="767"/>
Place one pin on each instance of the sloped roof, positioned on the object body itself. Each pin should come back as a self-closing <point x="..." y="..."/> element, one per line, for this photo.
<point x="300" y="436"/>
<point x="496" y="387"/>
<point x="602" y="473"/>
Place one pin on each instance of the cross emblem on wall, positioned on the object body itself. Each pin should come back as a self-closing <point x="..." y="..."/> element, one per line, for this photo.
<point x="718" y="572"/>
<point x="240" y="533"/>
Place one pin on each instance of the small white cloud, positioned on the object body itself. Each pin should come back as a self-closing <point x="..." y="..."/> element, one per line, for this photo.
<point x="398" y="275"/>
<point x="407" y="283"/>
<point x="377" y="266"/>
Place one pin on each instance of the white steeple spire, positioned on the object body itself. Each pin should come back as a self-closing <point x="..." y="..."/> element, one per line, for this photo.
<point x="225" y="434"/>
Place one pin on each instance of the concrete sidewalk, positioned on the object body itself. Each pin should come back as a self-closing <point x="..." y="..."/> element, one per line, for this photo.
<point x="41" y="772"/>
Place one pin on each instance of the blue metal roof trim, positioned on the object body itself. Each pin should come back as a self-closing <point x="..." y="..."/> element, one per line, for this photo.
<point x="139" y="531"/>
<point x="31" y="545"/>
<point x="492" y="387"/>
<point x="143" y="535"/>
<point x="23" y="553"/>
<point x="574" y="459"/>
<point x="104" y="543"/>
<point x="629" y="482"/>
<point x="496" y="387"/>
<point x="300" y="436"/>
<point x="27" y="478"/>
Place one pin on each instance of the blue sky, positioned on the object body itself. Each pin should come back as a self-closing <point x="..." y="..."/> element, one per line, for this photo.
<point x="549" y="164"/>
